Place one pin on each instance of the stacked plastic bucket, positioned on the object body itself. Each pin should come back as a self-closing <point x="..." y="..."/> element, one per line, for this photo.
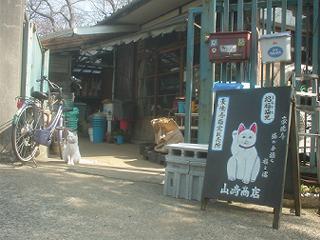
<point x="71" y="119"/>
<point x="98" y="123"/>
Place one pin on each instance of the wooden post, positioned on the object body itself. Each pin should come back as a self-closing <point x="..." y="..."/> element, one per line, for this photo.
<point x="276" y="219"/>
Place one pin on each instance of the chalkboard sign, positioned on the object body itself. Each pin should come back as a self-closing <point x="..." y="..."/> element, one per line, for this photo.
<point x="248" y="147"/>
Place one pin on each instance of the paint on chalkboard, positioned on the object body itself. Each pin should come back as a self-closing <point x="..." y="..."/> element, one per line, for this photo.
<point x="220" y="123"/>
<point x="268" y="108"/>
<point x="244" y="164"/>
<point x="248" y="145"/>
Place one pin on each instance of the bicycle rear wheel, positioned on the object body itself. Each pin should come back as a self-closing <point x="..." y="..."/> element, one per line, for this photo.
<point x="26" y="121"/>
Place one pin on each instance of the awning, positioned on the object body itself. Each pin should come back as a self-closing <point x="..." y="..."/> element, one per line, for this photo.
<point x="176" y="24"/>
<point x="78" y="37"/>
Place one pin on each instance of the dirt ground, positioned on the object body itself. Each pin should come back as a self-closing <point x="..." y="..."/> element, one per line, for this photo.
<point x="114" y="194"/>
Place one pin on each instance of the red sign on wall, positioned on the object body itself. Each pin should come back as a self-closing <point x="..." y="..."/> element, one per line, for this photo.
<point x="229" y="46"/>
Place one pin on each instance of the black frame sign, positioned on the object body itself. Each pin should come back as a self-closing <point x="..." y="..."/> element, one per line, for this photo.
<point x="248" y="147"/>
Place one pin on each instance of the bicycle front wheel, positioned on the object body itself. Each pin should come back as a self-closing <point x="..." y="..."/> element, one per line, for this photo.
<point x="26" y="121"/>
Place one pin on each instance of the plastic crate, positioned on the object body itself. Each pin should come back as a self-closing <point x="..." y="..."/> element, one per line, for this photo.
<point x="185" y="170"/>
<point x="176" y="184"/>
<point x="196" y="179"/>
<point x="176" y="179"/>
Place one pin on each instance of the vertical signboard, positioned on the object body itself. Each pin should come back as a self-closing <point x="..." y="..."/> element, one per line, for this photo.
<point x="248" y="147"/>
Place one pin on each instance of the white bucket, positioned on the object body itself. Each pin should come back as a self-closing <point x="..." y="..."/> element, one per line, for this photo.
<point x="90" y="132"/>
<point x="276" y="47"/>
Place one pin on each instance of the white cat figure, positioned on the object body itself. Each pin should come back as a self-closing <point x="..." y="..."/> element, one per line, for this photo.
<point x="244" y="164"/>
<point x="71" y="153"/>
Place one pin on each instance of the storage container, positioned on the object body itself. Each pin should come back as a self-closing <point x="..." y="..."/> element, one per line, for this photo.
<point x="276" y="47"/>
<point x="124" y="124"/>
<point x="71" y="119"/>
<point x="196" y="178"/>
<point x="98" y="123"/>
<point x="177" y="179"/>
<point x="184" y="174"/>
<point x="82" y="110"/>
<point x="119" y="139"/>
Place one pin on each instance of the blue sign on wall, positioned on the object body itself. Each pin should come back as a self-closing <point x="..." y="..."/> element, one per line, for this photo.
<point x="275" y="52"/>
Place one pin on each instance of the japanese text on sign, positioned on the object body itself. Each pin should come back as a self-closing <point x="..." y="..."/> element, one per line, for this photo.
<point x="283" y="128"/>
<point x="220" y="123"/>
<point x="273" y="150"/>
<point x="239" y="191"/>
<point x="268" y="108"/>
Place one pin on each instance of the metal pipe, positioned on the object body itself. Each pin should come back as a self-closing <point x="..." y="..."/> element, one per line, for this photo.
<point x="254" y="44"/>
<point x="283" y="28"/>
<point x="298" y="39"/>
<point x="315" y="70"/>
<point x="315" y="38"/>
<point x="240" y="28"/>
<point x="225" y="29"/>
<point x="273" y="30"/>
<point x="263" y="25"/>
<point x="114" y="73"/>
<point x="269" y="16"/>
<point x="189" y="75"/>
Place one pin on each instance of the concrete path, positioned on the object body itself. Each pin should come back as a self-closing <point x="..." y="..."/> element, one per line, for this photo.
<point x="116" y="195"/>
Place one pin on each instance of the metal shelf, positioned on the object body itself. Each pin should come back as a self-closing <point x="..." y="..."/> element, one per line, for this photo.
<point x="192" y="128"/>
<point x="307" y="108"/>
<point x="183" y="114"/>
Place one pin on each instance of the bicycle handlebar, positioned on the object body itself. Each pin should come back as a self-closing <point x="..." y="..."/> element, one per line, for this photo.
<point x="52" y="85"/>
<point x="75" y="83"/>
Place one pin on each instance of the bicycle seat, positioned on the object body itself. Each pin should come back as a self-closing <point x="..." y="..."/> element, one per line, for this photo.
<point x="39" y="95"/>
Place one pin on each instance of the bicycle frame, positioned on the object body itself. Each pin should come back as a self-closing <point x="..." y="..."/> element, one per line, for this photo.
<point x="30" y="127"/>
<point x="44" y="136"/>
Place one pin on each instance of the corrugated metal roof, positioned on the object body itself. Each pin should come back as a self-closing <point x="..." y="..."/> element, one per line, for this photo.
<point x="75" y="38"/>
<point x="177" y="24"/>
<point x="136" y="14"/>
<point x="141" y="11"/>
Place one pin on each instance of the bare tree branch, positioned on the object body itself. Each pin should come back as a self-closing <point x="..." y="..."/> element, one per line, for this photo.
<point x="55" y="15"/>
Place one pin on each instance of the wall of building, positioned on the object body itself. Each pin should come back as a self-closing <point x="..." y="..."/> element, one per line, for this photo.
<point x="11" y="35"/>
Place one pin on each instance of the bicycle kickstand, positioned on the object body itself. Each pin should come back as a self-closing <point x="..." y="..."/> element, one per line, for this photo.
<point x="35" y="162"/>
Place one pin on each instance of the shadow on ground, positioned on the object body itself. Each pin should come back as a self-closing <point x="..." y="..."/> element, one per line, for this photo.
<point x="120" y="196"/>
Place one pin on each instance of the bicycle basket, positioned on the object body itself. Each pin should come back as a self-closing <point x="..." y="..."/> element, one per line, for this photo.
<point x="42" y="137"/>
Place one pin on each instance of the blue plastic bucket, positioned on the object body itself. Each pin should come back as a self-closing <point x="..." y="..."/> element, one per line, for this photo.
<point x="98" y="124"/>
<point x="98" y="134"/>
<point x="119" y="139"/>
<point x="181" y="107"/>
<point x="98" y="121"/>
